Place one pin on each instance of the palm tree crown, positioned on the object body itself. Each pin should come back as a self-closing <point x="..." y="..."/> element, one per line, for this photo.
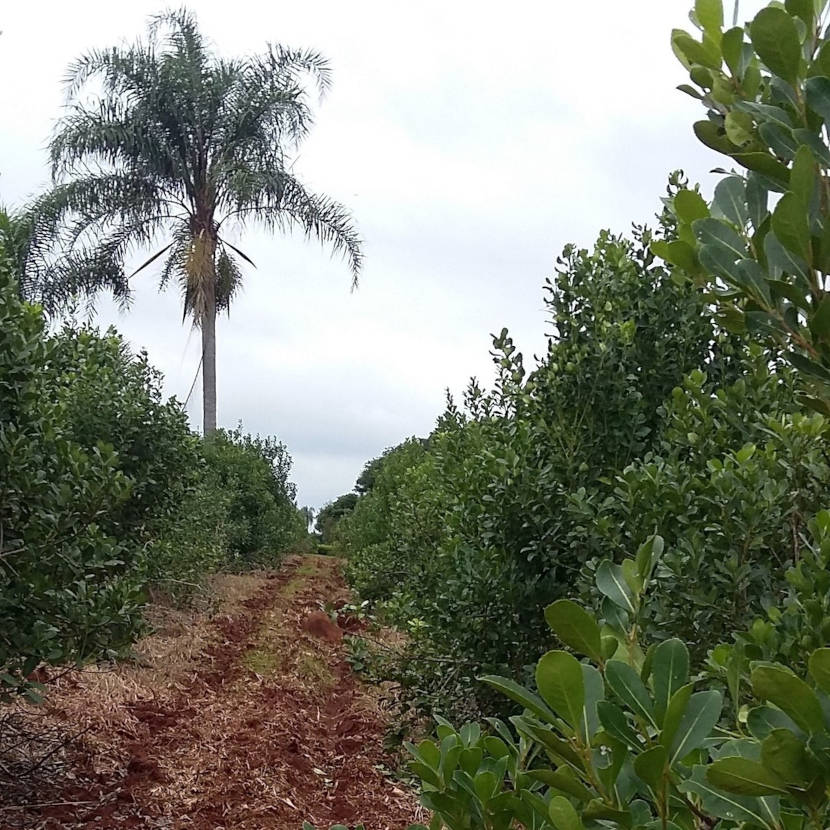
<point x="173" y="145"/>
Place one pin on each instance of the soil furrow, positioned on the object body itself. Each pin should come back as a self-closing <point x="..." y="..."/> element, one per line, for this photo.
<point x="250" y="719"/>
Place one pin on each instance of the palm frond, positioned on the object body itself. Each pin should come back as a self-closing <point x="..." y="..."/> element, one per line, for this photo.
<point x="278" y="201"/>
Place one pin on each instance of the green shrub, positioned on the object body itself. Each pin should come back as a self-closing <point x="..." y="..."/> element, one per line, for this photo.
<point x="625" y="739"/>
<point x="104" y="491"/>
<point x="67" y="591"/>
<point x="263" y="520"/>
<point x="108" y="394"/>
<point x="463" y="537"/>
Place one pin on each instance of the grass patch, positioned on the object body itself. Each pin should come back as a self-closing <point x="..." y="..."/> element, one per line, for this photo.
<point x="261" y="660"/>
<point x="312" y="670"/>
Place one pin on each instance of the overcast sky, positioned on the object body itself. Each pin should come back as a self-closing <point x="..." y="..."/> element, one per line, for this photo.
<point x="472" y="142"/>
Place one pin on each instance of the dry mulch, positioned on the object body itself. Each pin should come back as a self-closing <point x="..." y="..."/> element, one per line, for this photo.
<point x="248" y="718"/>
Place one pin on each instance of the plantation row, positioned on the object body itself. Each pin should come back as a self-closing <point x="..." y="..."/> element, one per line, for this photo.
<point x="649" y="501"/>
<point x="106" y="494"/>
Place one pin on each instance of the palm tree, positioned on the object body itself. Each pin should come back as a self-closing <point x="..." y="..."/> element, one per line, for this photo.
<point x="165" y="143"/>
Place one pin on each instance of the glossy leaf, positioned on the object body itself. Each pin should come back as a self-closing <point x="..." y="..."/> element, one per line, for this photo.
<point x="790" y="694"/>
<point x="629" y="688"/>
<point x="775" y="39"/>
<point x="699" y="719"/>
<point x="670" y="671"/>
<point x="575" y="627"/>
<point x="611" y="581"/>
<point x="560" y="684"/>
<point x="744" y="777"/>
<point x="563" y="815"/>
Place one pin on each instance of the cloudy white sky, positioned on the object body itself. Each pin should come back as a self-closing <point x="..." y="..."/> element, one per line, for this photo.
<point x="471" y="140"/>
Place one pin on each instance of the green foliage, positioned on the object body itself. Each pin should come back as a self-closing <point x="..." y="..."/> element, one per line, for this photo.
<point x="331" y="514"/>
<point x="110" y="395"/>
<point x="631" y="739"/>
<point x="105" y="491"/>
<point x="765" y="259"/>
<point x="643" y="417"/>
<point x="66" y="590"/>
<point x="730" y="487"/>
<point x="252" y="473"/>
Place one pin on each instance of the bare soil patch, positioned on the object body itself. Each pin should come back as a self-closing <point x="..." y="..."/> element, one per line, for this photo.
<point x="248" y="718"/>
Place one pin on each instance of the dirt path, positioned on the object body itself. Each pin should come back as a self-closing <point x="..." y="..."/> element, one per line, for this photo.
<point x="247" y="719"/>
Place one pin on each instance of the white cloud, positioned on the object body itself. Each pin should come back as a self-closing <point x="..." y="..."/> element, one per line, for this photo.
<point x="472" y="140"/>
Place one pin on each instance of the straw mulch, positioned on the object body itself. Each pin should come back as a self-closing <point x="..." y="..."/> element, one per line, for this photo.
<point x="246" y="717"/>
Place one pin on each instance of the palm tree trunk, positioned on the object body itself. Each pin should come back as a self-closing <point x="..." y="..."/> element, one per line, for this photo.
<point x="209" y="360"/>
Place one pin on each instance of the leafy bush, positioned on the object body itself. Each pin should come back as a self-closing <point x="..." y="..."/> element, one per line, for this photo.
<point x="766" y="260"/>
<point x="107" y="394"/>
<point x="66" y="589"/>
<point x="644" y="417"/>
<point x="263" y="520"/>
<point x="625" y="740"/>
<point x="331" y="514"/>
<point x="104" y="491"/>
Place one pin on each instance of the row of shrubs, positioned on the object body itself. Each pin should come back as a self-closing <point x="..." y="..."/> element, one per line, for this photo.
<point x="645" y="416"/>
<point x="105" y="492"/>
<point x="666" y="466"/>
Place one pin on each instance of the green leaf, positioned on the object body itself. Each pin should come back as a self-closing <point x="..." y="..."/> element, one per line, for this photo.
<point x="651" y="766"/>
<point x="784" y="755"/>
<point x="670" y="671"/>
<point x="715" y="138"/>
<point x="820" y="667"/>
<point x="674" y="714"/>
<point x="808" y="366"/>
<point x="805" y="9"/>
<point x="756" y="200"/>
<point x="790" y="694"/>
<point x="520" y="695"/>
<point x="732" y="46"/>
<point x="690" y="90"/>
<point x="762" y="720"/>
<point x="559" y="747"/>
<point x="818" y="96"/>
<point x="628" y="687"/>
<point x="720" y="235"/>
<point x="730" y="201"/>
<point x="775" y="38"/>
<point x="611" y="582"/>
<point x="616" y="724"/>
<point x="710" y="15"/>
<point x="610" y="644"/>
<point x="699" y="719"/>
<point x="691" y="51"/>
<point x="820" y="320"/>
<point x="598" y="810"/>
<point x="679" y="253"/>
<point x="725" y="805"/>
<point x="689" y="205"/>
<point x="803" y="175"/>
<point x="563" y="815"/>
<point x="594" y="692"/>
<point x="764" y="163"/>
<point x="560" y="683"/>
<point x="575" y="627"/>
<point x="781" y="260"/>
<point x="649" y="554"/>
<point x="563" y="780"/>
<point x="744" y="777"/>
<point x="790" y="224"/>
<point x="780" y="140"/>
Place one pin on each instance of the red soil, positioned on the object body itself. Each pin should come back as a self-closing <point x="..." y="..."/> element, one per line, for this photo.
<point x="236" y="748"/>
